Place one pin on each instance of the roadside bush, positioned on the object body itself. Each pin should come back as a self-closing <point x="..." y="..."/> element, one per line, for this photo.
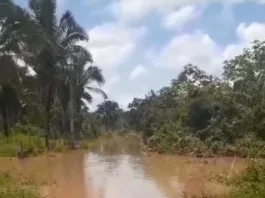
<point x="11" y="187"/>
<point x="251" y="183"/>
<point x="173" y="139"/>
<point x="27" y="130"/>
<point x="14" y="144"/>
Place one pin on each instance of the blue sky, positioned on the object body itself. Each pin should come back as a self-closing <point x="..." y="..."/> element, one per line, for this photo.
<point x="143" y="44"/>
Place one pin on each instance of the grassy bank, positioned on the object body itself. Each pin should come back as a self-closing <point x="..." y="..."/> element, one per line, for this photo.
<point x="251" y="183"/>
<point x="247" y="184"/>
<point x="17" y="187"/>
<point x="183" y="143"/>
<point x="21" y="145"/>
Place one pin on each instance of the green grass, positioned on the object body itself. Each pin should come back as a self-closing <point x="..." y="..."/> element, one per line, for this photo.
<point x="11" y="187"/>
<point x="27" y="145"/>
<point x="180" y="142"/>
<point x="13" y="145"/>
<point x="247" y="184"/>
<point x="251" y="183"/>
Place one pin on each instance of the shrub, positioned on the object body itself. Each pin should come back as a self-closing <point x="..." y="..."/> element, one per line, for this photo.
<point x="11" y="187"/>
<point x="28" y="129"/>
<point x="15" y="144"/>
<point x="251" y="183"/>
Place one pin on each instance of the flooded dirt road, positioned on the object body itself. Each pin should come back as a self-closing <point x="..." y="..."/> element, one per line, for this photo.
<point x="123" y="173"/>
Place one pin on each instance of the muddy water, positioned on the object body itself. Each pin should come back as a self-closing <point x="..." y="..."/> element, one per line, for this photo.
<point x="109" y="172"/>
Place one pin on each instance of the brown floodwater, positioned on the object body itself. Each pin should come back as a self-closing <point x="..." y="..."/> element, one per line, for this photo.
<point x="124" y="173"/>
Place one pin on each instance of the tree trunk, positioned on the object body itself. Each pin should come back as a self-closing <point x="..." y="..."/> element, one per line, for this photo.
<point x="47" y="128"/>
<point x="71" y="108"/>
<point x="5" y="122"/>
<point x="48" y="104"/>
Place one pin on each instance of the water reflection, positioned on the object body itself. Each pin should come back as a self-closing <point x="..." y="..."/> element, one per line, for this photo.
<point x="120" y="176"/>
<point x="179" y="176"/>
<point x="130" y="176"/>
<point x="118" y="170"/>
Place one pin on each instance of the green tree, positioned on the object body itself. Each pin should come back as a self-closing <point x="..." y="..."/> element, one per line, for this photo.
<point x="110" y="112"/>
<point x="82" y="78"/>
<point x="60" y="44"/>
<point x="247" y="74"/>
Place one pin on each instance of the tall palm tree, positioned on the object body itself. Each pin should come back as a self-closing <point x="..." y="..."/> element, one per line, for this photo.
<point x="9" y="90"/>
<point x="76" y="90"/>
<point x="16" y="26"/>
<point x="110" y="111"/>
<point x="55" y="50"/>
<point x="48" y="46"/>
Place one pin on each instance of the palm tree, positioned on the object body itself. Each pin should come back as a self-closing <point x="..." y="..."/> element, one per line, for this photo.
<point x="110" y="111"/>
<point x="16" y="24"/>
<point x="84" y="79"/>
<point x="57" y="47"/>
<point x="74" y="92"/>
<point x="49" y="47"/>
<point x="9" y="90"/>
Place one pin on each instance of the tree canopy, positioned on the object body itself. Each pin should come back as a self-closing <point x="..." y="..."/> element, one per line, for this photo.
<point x="63" y="70"/>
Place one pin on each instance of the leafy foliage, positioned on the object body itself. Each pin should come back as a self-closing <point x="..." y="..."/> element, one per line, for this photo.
<point x="204" y="115"/>
<point x="111" y="114"/>
<point x="53" y="87"/>
<point x="251" y="183"/>
<point x="11" y="187"/>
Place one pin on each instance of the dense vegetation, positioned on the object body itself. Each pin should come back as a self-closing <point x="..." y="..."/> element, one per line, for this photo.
<point x="251" y="183"/>
<point x="16" y="187"/>
<point x="205" y="115"/>
<point x="45" y="74"/>
<point x="46" y="80"/>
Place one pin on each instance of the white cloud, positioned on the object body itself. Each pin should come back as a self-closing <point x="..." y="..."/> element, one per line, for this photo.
<point x="135" y="10"/>
<point x="111" y="43"/>
<point x="108" y="88"/>
<point x="226" y="20"/>
<point x="177" y="19"/>
<point x="196" y="48"/>
<point x="138" y="71"/>
<point x="113" y="46"/>
<point x="20" y="62"/>
<point x="112" y="81"/>
<point x="60" y="2"/>
<point x="251" y="32"/>
<point x="200" y="49"/>
<point x="246" y="34"/>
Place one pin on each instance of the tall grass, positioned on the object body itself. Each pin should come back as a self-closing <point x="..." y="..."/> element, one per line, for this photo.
<point x="247" y="184"/>
<point x="11" y="187"/>
<point x="27" y="145"/>
<point x="15" y="144"/>
<point x="251" y="183"/>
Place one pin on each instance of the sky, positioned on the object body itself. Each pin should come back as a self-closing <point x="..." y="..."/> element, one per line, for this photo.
<point x="144" y="44"/>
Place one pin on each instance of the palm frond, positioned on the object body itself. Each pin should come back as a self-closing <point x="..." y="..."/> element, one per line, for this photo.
<point x="9" y="70"/>
<point x="70" y="31"/>
<point x="74" y="37"/>
<point x="82" y="104"/>
<point x="34" y="7"/>
<point x="80" y="54"/>
<point x="98" y="91"/>
<point x="94" y="74"/>
<point x="7" y="9"/>
<point x="87" y="97"/>
<point x="20" y="34"/>
<point x="47" y="16"/>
